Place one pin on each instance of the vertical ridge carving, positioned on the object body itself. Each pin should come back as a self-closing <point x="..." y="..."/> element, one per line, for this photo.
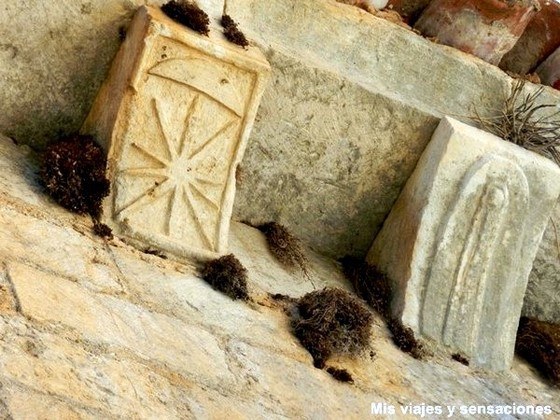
<point x="493" y="194"/>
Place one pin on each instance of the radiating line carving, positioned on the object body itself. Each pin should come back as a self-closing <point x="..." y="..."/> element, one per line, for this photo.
<point x="178" y="166"/>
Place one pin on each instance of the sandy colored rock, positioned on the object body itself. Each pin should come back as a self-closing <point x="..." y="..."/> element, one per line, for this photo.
<point x="54" y="59"/>
<point x="165" y="345"/>
<point x="345" y="175"/>
<point x="325" y="40"/>
<point x="111" y="321"/>
<point x="174" y="116"/>
<point x="542" y="300"/>
<point x="343" y="121"/>
<point x="460" y="242"/>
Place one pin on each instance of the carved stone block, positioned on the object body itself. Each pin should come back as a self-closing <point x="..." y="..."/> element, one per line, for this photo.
<point x="174" y="116"/>
<point x="459" y="243"/>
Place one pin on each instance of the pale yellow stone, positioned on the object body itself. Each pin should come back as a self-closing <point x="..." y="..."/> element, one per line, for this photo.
<point x="167" y="346"/>
<point x="175" y="114"/>
<point x="111" y="321"/>
<point x="38" y="406"/>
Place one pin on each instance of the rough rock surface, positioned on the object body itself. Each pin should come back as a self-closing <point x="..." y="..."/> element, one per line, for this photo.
<point x="96" y="329"/>
<point x="313" y="140"/>
<point x="54" y="57"/>
<point x="549" y="70"/>
<point x="540" y="39"/>
<point x="485" y="28"/>
<point x="543" y="292"/>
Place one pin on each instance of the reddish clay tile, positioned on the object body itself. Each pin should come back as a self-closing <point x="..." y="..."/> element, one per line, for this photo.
<point x="485" y="28"/>
<point x="539" y="40"/>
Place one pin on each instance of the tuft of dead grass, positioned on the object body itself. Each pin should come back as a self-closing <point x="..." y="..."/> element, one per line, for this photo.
<point x="539" y="343"/>
<point x="341" y="375"/>
<point x="458" y="357"/>
<point x="155" y="253"/>
<point x="332" y="322"/>
<point x="285" y="247"/>
<point x="102" y="230"/>
<point x="232" y="32"/>
<point x="517" y="122"/>
<point x="73" y="174"/>
<point x="227" y="275"/>
<point x="370" y="284"/>
<point x="374" y="287"/>
<point x="188" y="14"/>
<point x="404" y="339"/>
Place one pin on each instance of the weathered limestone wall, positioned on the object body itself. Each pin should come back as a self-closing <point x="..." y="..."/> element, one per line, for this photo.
<point x="352" y="103"/>
<point x="53" y="58"/>
<point x="327" y="157"/>
<point x="406" y="70"/>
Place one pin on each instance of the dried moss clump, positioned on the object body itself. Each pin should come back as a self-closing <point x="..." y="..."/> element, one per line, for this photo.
<point x="539" y="343"/>
<point x="332" y="322"/>
<point x="458" y="357"/>
<point x="188" y="14"/>
<point x="375" y="289"/>
<point x="284" y="246"/>
<point x="518" y="123"/>
<point x="102" y="230"/>
<point x="370" y="284"/>
<point x="227" y="275"/>
<point x="73" y="173"/>
<point x="155" y="253"/>
<point x="404" y="339"/>
<point x="341" y="375"/>
<point x="232" y="32"/>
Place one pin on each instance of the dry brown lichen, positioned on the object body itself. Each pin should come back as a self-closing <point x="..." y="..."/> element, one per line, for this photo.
<point x="284" y="246"/>
<point x="375" y="289"/>
<point x="232" y="32"/>
<point x="188" y="14"/>
<point x="102" y="230"/>
<point x="539" y="343"/>
<point x="73" y="173"/>
<point x="370" y="284"/>
<point x="341" y="375"/>
<point x="227" y="275"/>
<point x="458" y="357"/>
<point x="155" y="253"/>
<point x="404" y="339"/>
<point x="332" y="322"/>
<point x="282" y="298"/>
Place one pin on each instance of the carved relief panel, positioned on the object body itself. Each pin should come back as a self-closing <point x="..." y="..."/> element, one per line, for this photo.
<point x="184" y="116"/>
<point x="462" y="277"/>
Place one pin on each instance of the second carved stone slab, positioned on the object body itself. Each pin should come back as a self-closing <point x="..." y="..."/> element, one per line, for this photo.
<point x="460" y="241"/>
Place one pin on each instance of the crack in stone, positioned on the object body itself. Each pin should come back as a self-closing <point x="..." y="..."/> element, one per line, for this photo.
<point x="17" y="302"/>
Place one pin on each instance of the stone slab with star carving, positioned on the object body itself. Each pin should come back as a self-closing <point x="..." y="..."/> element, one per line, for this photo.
<point x="174" y="116"/>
